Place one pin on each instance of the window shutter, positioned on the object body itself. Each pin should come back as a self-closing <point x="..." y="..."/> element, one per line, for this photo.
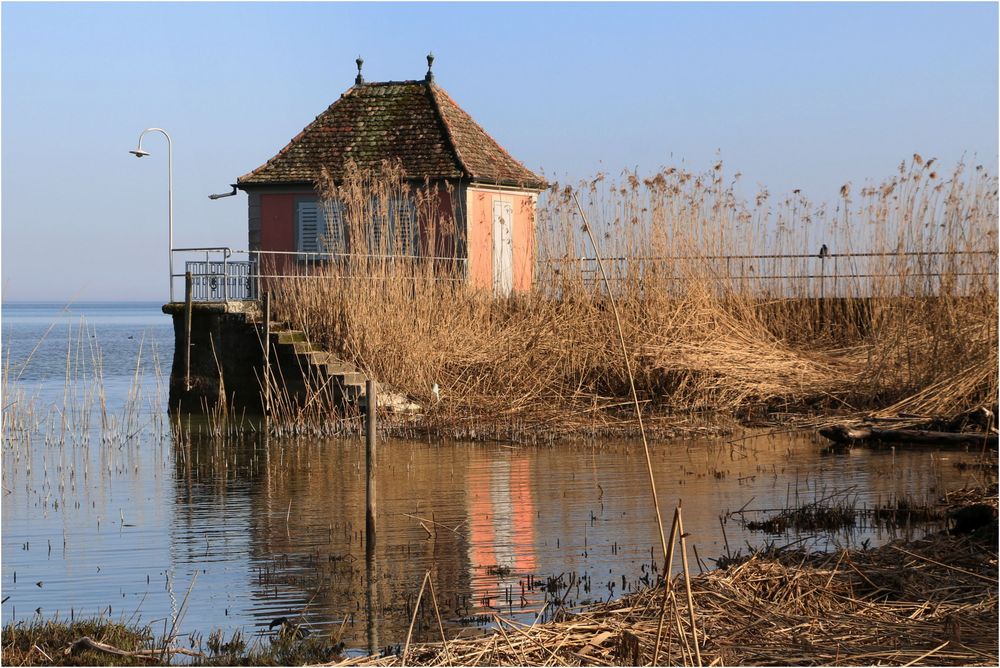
<point x="402" y="223"/>
<point x="336" y="238"/>
<point x="311" y="227"/>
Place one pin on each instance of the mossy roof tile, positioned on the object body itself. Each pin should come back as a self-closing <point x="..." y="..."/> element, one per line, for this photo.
<point x="415" y="122"/>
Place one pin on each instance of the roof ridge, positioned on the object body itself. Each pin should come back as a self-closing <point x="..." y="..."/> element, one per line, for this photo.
<point x="431" y="89"/>
<point x="401" y="82"/>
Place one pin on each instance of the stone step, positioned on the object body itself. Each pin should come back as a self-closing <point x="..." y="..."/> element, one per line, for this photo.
<point x="327" y="361"/>
<point x="302" y="347"/>
<point x="338" y="367"/>
<point x="289" y="336"/>
<point x="318" y="358"/>
<point x="351" y="378"/>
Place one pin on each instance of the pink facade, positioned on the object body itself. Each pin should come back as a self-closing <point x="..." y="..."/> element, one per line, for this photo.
<point x="484" y="210"/>
<point x="482" y="207"/>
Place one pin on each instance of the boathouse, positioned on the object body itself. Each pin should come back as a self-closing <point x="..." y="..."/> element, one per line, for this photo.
<point x="487" y="197"/>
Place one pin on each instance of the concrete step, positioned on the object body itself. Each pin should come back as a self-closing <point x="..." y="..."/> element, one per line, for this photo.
<point x="351" y="378"/>
<point x="331" y="363"/>
<point x="338" y="367"/>
<point x="288" y="336"/>
<point x="317" y="358"/>
<point x="301" y="347"/>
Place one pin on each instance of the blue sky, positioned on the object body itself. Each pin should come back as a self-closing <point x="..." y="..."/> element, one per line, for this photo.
<point x="792" y="95"/>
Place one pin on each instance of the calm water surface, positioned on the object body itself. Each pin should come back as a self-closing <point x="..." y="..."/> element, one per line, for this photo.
<point x="232" y="534"/>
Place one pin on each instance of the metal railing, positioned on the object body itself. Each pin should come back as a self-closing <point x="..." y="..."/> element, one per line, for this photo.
<point x="222" y="274"/>
<point x="822" y="274"/>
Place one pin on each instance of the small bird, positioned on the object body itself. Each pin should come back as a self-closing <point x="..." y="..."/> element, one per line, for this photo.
<point x="824" y="251"/>
<point x="289" y="629"/>
<point x="971" y="519"/>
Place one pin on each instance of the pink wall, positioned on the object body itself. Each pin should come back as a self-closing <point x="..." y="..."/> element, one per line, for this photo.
<point x="277" y="221"/>
<point x="277" y="232"/>
<point x="277" y="229"/>
<point x="480" y="208"/>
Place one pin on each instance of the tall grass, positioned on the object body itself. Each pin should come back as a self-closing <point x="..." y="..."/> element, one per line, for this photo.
<point x="716" y="316"/>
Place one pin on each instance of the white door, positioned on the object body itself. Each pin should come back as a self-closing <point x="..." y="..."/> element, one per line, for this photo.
<point x="503" y="248"/>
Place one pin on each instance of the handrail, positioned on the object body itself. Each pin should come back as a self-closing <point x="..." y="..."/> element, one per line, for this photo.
<point x="219" y="277"/>
<point x="776" y="256"/>
<point x="243" y="279"/>
<point x="227" y="250"/>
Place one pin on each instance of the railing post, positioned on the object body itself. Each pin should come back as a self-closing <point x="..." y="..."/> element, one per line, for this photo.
<point x="256" y="269"/>
<point x="188" y="312"/>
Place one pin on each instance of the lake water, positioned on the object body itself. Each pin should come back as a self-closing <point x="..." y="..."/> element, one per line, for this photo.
<point x="106" y="511"/>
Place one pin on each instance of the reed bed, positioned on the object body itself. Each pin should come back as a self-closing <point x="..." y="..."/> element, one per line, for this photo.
<point x="927" y="602"/>
<point x="726" y="304"/>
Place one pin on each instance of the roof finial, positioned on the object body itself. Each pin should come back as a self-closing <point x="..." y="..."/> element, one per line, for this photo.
<point x="430" y="62"/>
<point x="358" y="80"/>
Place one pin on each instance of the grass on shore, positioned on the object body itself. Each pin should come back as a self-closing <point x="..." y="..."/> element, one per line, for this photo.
<point x="102" y="642"/>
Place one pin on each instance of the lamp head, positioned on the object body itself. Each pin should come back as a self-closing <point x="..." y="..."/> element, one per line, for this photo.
<point x="139" y="153"/>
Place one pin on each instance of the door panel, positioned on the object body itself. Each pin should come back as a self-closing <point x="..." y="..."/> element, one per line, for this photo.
<point x="503" y="248"/>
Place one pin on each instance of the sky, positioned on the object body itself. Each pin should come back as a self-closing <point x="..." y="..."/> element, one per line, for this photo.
<point x="791" y="95"/>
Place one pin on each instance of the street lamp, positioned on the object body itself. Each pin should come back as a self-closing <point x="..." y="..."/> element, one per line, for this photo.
<point x="139" y="153"/>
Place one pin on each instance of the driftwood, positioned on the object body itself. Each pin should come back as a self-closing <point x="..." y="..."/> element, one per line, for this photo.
<point x="844" y="434"/>
<point x="87" y="642"/>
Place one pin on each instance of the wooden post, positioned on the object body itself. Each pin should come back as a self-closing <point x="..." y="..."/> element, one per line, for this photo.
<point x="188" y="308"/>
<point x="371" y="607"/>
<point x="267" y="353"/>
<point x="370" y="497"/>
<point x="371" y="602"/>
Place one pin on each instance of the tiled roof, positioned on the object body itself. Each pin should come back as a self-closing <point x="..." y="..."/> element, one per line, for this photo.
<point x="415" y="122"/>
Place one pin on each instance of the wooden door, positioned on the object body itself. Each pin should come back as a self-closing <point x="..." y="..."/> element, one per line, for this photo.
<point x="503" y="248"/>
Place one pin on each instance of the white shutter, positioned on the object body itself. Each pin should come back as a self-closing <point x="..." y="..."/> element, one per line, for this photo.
<point x="310" y="227"/>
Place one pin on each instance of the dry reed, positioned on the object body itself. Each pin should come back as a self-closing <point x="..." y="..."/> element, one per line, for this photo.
<point x="927" y="602"/>
<point x="715" y="315"/>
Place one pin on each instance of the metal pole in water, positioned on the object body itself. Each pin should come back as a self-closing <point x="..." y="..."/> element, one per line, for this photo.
<point x="370" y="497"/>
<point x="267" y="353"/>
<point x="188" y="308"/>
<point x="370" y="507"/>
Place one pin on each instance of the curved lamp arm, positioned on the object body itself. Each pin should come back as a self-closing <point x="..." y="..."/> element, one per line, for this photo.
<point x="139" y="153"/>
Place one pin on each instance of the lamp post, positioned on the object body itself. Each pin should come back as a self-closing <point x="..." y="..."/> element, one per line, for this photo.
<point x="139" y="153"/>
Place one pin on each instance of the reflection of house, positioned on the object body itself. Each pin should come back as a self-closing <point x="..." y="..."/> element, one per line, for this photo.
<point x="489" y="196"/>
<point x="502" y="518"/>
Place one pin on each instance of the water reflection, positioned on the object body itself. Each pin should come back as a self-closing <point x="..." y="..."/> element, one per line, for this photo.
<point x="275" y="529"/>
